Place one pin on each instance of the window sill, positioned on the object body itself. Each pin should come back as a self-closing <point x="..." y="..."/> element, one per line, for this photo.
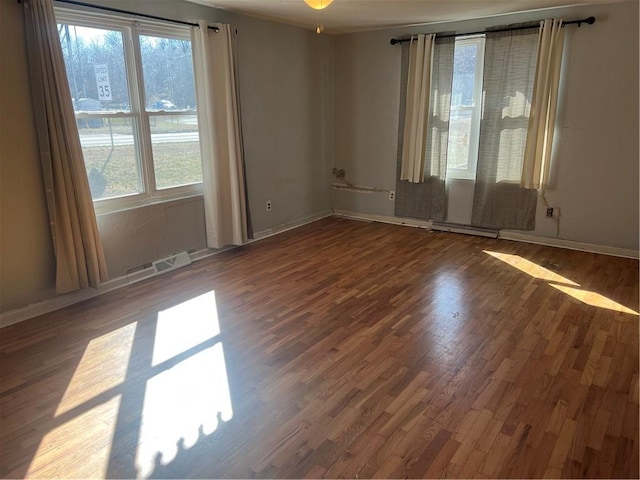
<point x="148" y="202"/>
<point x="460" y="174"/>
<point x="460" y="179"/>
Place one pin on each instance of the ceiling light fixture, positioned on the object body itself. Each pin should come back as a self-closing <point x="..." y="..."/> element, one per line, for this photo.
<point x="318" y="5"/>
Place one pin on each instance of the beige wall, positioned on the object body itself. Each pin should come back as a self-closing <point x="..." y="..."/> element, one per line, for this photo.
<point x="287" y="97"/>
<point x="595" y="161"/>
<point x="174" y="227"/>
<point x="26" y="254"/>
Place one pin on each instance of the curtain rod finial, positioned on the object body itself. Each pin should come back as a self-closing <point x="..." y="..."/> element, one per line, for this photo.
<point x="588" y="21"/>
<point x="393" y="41"/>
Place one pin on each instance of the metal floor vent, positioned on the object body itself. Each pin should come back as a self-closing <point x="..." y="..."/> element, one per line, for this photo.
<point x="466" y="229"/>
<point x="178" y="260"/>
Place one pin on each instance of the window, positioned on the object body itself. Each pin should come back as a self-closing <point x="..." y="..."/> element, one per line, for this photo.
<point x="466" y="105"/>
<point x="132" y="87"/>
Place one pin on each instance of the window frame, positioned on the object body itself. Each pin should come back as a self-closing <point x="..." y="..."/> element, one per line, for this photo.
<point x="469" y="173"/>
<point x="140" y="116"/>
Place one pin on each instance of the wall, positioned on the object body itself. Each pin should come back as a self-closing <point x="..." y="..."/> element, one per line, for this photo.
<point x="26" y="253"/>
<point x="595" y="161"/>
<point x="136" y="237"/>
<point x="286" y="106"/>
<point x="286" y="88"/>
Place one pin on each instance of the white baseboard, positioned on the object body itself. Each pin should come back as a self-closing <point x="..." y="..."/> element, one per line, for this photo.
<point x="290" y="226"/>
<point x="465" y="229"/>
<point x="383" y="219"/>
<point x="506" y="235"/>
<point x="49" y="305"/>
<point x="56" y="303"/>
<point x="569" y="244"/>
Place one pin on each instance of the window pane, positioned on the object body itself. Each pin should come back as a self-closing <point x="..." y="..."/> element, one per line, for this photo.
<point x="176" y="150"/>
<point x="95" y="65"/>
<point x="462" y="105"/>
<point x="459" y="137"/>
<point x="168" y="73"/>
<point x="109" y="155"/>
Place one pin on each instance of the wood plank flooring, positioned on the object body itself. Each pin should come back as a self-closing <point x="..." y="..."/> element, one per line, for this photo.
<point x="341" y="349"/>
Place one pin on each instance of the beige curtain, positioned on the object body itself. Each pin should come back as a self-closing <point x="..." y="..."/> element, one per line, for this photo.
<point x="80" y="259"/>
<point x="417" y="108"/>
<point x="220" y="135"/>
<point x="537" y="156"/>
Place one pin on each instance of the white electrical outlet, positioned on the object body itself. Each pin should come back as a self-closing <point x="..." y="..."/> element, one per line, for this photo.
<point x="392" y="195"/>
<point x="268" y="205"/>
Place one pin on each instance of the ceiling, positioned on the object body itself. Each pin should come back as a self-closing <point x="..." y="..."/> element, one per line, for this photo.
<point x="345" y="16"/>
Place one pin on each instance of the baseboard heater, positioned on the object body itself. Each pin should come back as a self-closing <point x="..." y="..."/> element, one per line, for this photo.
<point x="172" y="262"/>
<point x="466" y="229"/>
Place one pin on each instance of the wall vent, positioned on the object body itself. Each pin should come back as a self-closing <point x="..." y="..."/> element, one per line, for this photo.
<point x="466" y="229"/>
<point x="172" y="262"/>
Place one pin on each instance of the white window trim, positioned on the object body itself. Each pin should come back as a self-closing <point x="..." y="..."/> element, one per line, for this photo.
<point x="131" y="29"/>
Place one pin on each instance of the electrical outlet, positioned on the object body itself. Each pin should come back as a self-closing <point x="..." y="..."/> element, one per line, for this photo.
<point x="550" y="212"/>
<point x="392" y="195"/>
<point x="268" y="205"/>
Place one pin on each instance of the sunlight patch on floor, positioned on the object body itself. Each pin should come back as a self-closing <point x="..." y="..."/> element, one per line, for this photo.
<point x="585" y="296"/>
<point x="190" y="397"/>
<point x="86" y="454"/>
<point x="180" y="401"/>
<point x="594" y="299"/>
<point x="184" y="326"/>
<point x="530" y="268"/>
<point x="103" y="366"/>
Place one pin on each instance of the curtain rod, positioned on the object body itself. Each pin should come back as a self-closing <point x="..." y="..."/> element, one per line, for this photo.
<point x="588" y="21"/>
<point x="126" y="12"/>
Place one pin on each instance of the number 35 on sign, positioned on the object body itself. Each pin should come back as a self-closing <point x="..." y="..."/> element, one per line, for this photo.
<point x="102" y="79"/>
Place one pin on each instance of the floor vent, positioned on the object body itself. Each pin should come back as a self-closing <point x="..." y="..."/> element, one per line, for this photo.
<point x="178" y="260"/>
<point x="466" y="229"/>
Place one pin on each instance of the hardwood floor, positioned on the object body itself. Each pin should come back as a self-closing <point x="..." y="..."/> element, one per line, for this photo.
<point x="341" y="349"/>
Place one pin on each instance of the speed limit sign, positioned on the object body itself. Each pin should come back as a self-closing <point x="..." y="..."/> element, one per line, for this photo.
<point x="102" y="79"/>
